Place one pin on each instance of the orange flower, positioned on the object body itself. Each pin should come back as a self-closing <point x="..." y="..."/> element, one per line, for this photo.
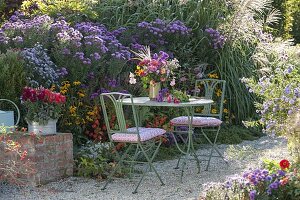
<point x="284" y="181"/>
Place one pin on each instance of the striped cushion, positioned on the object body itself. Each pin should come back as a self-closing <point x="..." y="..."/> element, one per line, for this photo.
<point x="197" y="121"/>
<point x="145" y="134"/>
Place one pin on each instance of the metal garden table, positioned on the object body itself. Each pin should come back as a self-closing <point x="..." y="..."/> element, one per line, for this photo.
<point x="189" y="109"/>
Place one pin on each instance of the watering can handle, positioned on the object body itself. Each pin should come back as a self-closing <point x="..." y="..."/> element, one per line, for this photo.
<point x="16" y="108"/>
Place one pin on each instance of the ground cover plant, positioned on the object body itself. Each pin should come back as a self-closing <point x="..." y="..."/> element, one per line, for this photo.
<point x="272" y="181"/>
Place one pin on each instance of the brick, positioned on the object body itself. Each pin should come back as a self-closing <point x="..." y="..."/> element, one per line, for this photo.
<point x="50" y="156"/>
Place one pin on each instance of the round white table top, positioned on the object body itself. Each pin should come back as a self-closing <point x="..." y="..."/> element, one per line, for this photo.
<point x="145" y="101"/>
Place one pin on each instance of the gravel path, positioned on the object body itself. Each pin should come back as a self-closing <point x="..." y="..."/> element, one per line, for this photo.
<point x="241" y="157"/>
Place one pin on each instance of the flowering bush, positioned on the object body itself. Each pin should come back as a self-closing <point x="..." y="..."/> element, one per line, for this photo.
<point x="41" y="71"/>
<point x="278" y="90"/>
<point x="42" y="104"/>
<point x="154" y="69"/>
<point x="21" y="32"/>
<point x="274" y="181"/>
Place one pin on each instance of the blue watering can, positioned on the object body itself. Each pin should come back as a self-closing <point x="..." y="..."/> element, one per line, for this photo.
<point x="7" y="117"/>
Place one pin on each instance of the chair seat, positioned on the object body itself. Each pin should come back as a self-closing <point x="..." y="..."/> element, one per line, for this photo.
<point x="145" y="134"/>
<point x="197" y="121"/>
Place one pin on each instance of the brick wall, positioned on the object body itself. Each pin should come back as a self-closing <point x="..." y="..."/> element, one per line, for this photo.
<point x="51" y="157"/>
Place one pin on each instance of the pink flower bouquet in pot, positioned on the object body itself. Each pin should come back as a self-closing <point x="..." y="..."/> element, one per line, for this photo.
<point x="43" y="108"/>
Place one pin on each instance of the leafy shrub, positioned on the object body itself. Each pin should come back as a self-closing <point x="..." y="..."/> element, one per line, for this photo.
<point x="12" y="76"/>
<point x="74" y="10"/>
<point x="8" y="7"/>
<point x="96" y="160"/>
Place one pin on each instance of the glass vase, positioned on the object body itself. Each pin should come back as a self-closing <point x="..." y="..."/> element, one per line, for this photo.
<point x="154" y="90"/>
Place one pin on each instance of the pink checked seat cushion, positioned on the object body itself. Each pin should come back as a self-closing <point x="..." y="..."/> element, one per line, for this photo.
<point x="145" y="134"/>
<point x="197" y="121"/>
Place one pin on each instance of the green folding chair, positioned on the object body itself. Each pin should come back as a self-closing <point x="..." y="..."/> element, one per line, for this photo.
<point x="143" y="140"/>
<point x="206" y="120"/>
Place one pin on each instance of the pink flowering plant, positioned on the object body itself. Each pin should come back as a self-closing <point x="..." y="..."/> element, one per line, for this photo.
<point x="42" y="104"/>
<point x="154" y="68"/>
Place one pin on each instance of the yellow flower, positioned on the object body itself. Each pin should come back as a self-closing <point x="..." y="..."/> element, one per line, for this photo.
<point x="199" y="110"/>
<point x="80" y="103"/>
<point x="218" y="92"/>
<point x="76" y="83"/>
<point x="89" y="119"/>
<point x="72" y="109"/>
<point x="52" y="88"/>
<point x="81" y="94"/>
<point x="138" y="67"/>
<point x="214" y="75"/>
<point x="91" y="113"/>
<point x="225" y="110"/>
<point x="63" y="91"/>
<point x="214" y="111"/>
<point x="66" y="84"/>
<point x="139" y="72"/>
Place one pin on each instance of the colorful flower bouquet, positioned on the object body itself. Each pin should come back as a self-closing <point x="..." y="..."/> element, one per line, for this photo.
<point x="42" y="104"/>
<point x="154" y="70"/>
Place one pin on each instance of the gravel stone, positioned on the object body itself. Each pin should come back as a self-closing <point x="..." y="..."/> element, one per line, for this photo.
<point x="78" y="188"/>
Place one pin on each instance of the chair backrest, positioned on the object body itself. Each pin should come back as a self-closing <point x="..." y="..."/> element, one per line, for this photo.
<point x="115" y="100"/>
<point x="211" y="89"/>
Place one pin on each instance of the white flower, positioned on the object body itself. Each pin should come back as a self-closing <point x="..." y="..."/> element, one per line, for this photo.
<point x="172" y="82"/>
<point x="132" y="80"/>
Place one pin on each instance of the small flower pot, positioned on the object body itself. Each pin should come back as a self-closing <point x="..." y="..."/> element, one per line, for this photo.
<point x="43" y="129"/>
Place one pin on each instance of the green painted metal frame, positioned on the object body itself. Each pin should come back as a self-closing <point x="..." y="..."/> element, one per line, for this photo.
<point x="188" y="149"/>
<point x="209" y="89"/>
<point x="140" y="147"/>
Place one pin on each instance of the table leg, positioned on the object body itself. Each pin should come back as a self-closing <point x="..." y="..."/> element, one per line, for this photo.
<point x="190" y="150"/>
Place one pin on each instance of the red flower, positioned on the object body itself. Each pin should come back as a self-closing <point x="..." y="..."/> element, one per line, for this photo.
<point x="284" y="164"/>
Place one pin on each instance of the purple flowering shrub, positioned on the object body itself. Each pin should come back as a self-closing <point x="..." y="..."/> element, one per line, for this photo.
<point x="269" y="182"/>
<point x="21" y="32"/>
<point x="279" y="91"/>
<point x="217" y="39"/>
<point x="41" y="71"/>
<point x="88" y="48"/>
<point x="158" y="34"/>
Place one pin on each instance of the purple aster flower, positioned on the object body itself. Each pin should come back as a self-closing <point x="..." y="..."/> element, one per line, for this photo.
<point x="252" y="194"/>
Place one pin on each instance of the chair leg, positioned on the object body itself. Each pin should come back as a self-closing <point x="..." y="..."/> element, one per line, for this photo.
<point x="120" y="162"/>
<point x="149" y="161"/>
<point x="214" y="147"/>
<point x="150" y="166"/>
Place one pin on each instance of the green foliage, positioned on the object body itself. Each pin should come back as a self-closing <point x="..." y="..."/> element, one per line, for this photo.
<point x="289" y="26"/>
<point x="8" y="7"/>
<point x="96" y="160"/>
<point x="12" y="76"/>
<point x="74" y="10"/>
<point x="235" y="134"/>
